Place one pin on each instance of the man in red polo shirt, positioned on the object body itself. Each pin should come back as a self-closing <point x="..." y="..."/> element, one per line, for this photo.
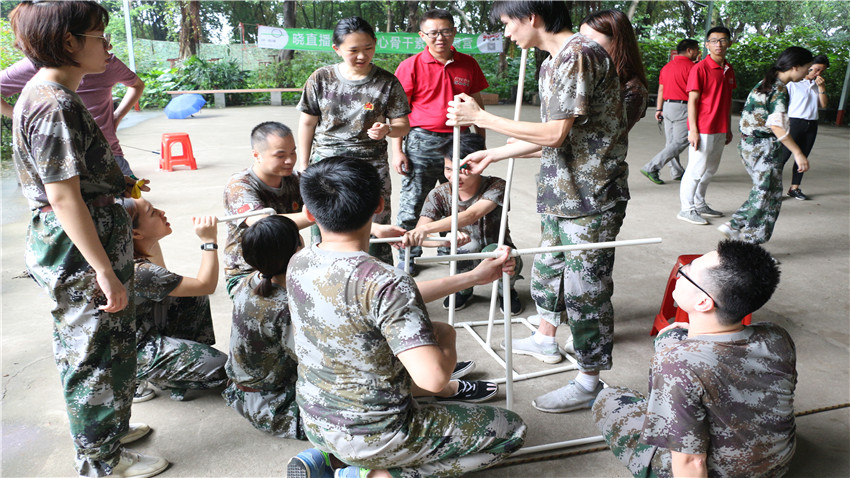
<point x="431" y="79"/>
<point x="672" y="106"/>
<point x="710" y="85"/>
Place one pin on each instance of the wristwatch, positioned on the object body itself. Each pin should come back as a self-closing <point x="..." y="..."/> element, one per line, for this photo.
<point x="209" y="246"/>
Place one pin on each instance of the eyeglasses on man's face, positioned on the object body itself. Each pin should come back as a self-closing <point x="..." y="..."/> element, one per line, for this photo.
<point x="719" y="41"/>
<point x="106" y="38"/>
<point x="681" y="273"/>
<point x="446" y="32"/>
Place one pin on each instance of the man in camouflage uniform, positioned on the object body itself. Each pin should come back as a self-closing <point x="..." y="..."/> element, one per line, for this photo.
<point x="371" y="333"/>
<point x="721" y="398"/>
<point x="268" y="183"/>
<point x="582" y="190"/>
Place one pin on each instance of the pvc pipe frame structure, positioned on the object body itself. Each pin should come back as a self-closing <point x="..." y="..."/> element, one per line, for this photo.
<point x="507" y="363"/>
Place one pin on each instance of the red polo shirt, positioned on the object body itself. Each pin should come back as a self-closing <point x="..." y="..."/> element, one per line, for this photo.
<point x="674" y="78"/>
<point x="430" y="86"/>
<point x="715" y="84"/>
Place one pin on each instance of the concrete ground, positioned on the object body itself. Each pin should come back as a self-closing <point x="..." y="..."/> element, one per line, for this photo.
<point x="202" y="437"/>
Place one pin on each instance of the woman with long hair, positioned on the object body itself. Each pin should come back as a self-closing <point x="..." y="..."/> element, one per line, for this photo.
<point x="613" y="31"/>
<point x="79" y="245"/>
<point x="764" y="129"/>
<point x="174" y="329"/>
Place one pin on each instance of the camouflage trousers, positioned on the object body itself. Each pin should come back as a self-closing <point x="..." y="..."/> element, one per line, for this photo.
<point x="466" y="266"/>
<point x="94" y="350"/>
<point x="424" y="149"/>
<point x="273" y="412"/>
<point x="579" y="284"/>
<point x="384" y="252"/>
<point x="755" y="219"/>
<point x="619" y="414"/>
<point x="435" y="440"/>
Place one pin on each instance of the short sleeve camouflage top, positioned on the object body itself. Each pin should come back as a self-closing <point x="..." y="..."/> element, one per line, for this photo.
<point x="634" y="102"/>
<point x="55" y="138"/>
<point x="153" y="283"/>
<point x="261" y="355"/>
<point x="759" y="106"/>
<point x="588" y="174"/>
<point x="246" y="192"/>
<point x="485" y="231"/>
<point x="352" y="316"/>
<point x="730" y="396"/>
<point x="347" y="109"/>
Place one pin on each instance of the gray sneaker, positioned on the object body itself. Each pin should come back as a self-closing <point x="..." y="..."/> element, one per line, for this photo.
<point x="566" y="399"/>
<point x="547" y="353"/>
<point x="708" y="212"/>
<point x="692" y="217"/>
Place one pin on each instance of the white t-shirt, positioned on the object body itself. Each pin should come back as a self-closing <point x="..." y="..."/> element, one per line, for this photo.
<point x="804" y="99"/>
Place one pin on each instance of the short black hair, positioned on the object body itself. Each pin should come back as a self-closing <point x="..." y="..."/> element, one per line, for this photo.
<point x="437" y="14"/>
<point x="351" y="25"/>
<point x="263" y="130"/>
<point x="469" y="143"/>
<point x="821" y="60"/>
<point x="743" y="281"/>
<point x="555" y="14"/>
<point x="267" y="246"/>
<point x="341" y="193"/>
<point x="686" y="44"/>
<point x="719" y="29"/>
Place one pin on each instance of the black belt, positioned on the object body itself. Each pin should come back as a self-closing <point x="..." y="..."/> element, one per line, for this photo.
<point x="676" y="101"/>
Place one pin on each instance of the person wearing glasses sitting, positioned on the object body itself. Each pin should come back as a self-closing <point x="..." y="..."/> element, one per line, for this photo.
<point x="430" y="79"/>
<point x="721" y="396"/>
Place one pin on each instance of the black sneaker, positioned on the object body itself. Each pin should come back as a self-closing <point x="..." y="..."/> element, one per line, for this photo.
<point x="516" y="304"/>
<point x="472" y="392"/>
<point x="462" y="369"/>
<point x="460" y="301"/>
<point x="797" y="194"/>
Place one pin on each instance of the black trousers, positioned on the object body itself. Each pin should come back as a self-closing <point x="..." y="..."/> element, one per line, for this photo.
<point x="803" y="132"/>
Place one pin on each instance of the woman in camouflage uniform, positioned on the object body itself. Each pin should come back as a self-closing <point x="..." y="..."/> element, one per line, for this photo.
<point x="349" y="109"/>
<point x="764" y="125"/>
<point x="174" y="329"/>
<point x="79" y="246"/>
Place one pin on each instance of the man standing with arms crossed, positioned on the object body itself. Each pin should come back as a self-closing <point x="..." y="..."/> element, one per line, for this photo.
<point x="431" y="79"/>
<point x="710" y="85"/>
<point x="672" y="107"/>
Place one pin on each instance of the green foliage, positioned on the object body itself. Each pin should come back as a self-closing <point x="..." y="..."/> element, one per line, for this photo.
<point x="8" y="55"/>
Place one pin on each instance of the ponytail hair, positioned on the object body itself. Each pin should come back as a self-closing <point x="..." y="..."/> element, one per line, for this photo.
<point x="268" y="246"/>
<point x="789" y="58"/>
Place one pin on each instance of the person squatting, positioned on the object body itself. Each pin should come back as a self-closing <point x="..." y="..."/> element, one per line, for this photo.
<point x="360" y="370"/>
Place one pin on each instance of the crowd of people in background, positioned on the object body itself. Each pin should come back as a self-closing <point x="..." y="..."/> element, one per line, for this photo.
<point x="333" y="344"/>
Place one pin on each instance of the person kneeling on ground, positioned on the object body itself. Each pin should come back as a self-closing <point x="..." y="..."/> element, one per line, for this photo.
<point x="721" y="399"/>
<point x="174" y="331"/>
<point x="480" y="200"/>
<point x="364" y="343"/>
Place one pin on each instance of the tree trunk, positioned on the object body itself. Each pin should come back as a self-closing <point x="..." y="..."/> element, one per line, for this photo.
<point x="190" y="28"/>
<point x="413" y="16"/>
<point x="288" y="22"/>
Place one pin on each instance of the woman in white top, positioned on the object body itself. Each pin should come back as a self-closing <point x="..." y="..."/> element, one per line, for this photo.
<point x="806" y="96"/>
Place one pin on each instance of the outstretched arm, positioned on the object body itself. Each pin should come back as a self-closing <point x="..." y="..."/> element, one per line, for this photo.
<point x="485" y="273"/>
<point x="205" y="282"/>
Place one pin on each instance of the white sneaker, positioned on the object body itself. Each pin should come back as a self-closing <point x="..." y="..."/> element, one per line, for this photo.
<point x="136" y="465"/>
<point x="547" y="353"/>
<point x="143" y="393"/>
<point x="569" y="347"/>
<point x="566" y="399"/>
<point x="730" y="233"/>
<point x="135" y="432"/>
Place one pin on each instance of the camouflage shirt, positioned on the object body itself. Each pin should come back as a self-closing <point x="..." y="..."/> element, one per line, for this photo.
<point x="438" y="205"/>
<point x="246" y="192"/>
<point x="352" y="316"/>
<point x="634" y="102"/>
<point x="153" y="284"/>
<point x="730" y="396"/>
<point x="759" y="106"/>
<point x="348" y="108"/>
<point x="55" y="138"/>
<point x="587" y="174"/>
<point x="261" y="354"/>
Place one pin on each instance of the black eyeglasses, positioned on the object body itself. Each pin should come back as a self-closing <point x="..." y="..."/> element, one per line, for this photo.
<point x="447" y="32"/>
<point x="682" y="274"/>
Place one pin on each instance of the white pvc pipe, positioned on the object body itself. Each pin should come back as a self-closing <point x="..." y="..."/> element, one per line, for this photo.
<point x="387" y="240"/>
<point x="455" y="200"/>
<point x="554" y="446"/>
<point x="541" y="250"/>
<point x="268" y="211"/>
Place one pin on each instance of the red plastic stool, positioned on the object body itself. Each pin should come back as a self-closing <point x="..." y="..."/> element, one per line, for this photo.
<point x="668" y="306"/>
<point x="167" y="160"/>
